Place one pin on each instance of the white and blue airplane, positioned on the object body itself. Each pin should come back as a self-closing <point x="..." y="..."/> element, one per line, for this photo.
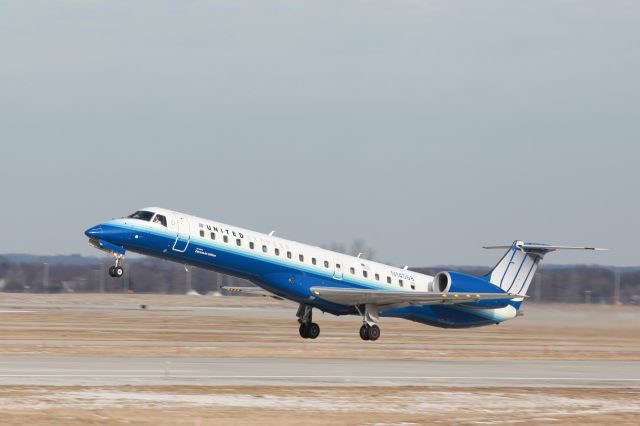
<point x="322" y="279"/>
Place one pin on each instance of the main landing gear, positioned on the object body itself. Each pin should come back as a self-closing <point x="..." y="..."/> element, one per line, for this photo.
<point x="369" y="332"/>
<point x="369" y="329"/>
<point x="116" y="271"/>
<point x="308" y="328"/>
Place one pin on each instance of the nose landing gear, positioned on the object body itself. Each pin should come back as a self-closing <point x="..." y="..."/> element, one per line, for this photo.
<point x="116" y="271"/>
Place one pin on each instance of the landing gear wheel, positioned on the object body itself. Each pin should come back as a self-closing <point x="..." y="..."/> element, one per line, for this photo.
<point x="313" y="330"/>
<point x="118" y="271"/>
<point x="369" y="332"/>
<point x="374" y="332"/>
<point x="304" y="331"/>
<point x="364" y="332"/>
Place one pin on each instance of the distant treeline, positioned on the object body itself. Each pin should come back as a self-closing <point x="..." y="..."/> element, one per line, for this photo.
<point x="58" y="274"/>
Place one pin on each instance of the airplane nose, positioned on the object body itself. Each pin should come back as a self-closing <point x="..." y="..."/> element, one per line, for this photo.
<point x="95" y="232"/>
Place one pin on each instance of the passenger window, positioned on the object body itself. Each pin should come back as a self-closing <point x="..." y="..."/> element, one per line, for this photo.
<point x="377" y="277"/>
<point x="238" y="242"/>
<point x="288" y="255"/>
<point x="413" y="287"/>
<point x="388" y="280"/>
<point x="352" y="270"/>
<point x="264" y="249"/>
<point x="277" y="251"/>
<point x="365" y="274"/>
<point x="313" y="260"/>
<point x="301" y="258"/>
<point x="401" y="283"/>
<point x="226" y="239"/>
<point x="202" y="233"/>
<point x="326" y="263"/>
<point x="213" y="236"/>
<point x="251" y="245"/>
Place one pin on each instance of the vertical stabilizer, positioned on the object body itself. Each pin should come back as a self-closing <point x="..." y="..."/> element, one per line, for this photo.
<point x="515" y="271"/>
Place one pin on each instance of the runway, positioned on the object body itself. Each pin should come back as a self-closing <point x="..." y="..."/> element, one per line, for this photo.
<point x="113" y="371"/>
<point x="188" y="360"/>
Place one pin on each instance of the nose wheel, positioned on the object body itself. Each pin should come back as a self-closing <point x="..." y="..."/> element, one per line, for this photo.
<point x="116" y="271"/>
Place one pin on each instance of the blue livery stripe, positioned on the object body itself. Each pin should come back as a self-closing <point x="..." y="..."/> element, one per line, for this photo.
<point x="319" y="271"/>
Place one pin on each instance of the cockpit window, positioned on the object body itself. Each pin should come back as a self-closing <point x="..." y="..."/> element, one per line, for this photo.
<point x="160" y="220"/>
<point x="142" y="215"/>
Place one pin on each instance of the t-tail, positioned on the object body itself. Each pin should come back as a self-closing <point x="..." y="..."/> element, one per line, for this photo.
<point x="515" y="271"/>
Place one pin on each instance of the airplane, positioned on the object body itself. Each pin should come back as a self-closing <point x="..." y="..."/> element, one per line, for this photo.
<point x="325" y="280"/>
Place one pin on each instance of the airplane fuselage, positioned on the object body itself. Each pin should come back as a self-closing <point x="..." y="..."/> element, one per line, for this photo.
<point x="283" y="267"/>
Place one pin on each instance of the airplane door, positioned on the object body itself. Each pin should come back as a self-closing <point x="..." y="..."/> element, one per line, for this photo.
<point x="337" y="271"/>
<point x="183" y="236"/>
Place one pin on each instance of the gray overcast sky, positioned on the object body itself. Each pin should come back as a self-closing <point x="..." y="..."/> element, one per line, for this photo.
<point x="428" y="128"/>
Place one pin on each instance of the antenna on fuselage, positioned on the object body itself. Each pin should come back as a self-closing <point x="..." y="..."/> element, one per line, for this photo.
<point x="271" y="233"/>
<point x="359" y="254"/>
<point x="405" y="267"/>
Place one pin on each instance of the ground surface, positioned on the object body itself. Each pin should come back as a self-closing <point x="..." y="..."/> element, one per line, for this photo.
<point x="103" y="359"/>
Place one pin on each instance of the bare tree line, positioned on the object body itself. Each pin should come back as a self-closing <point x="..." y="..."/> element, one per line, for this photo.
<point x="569" y="284"/>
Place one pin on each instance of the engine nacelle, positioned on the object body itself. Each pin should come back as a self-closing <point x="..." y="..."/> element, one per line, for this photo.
<point x="447" y="281"/>
<point x="441" y="283"/>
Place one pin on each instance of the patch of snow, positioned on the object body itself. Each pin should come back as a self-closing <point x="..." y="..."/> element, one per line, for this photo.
<point x="501" y="404"/>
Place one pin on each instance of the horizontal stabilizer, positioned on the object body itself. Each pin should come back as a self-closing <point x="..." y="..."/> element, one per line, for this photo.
<point x="542" y="247"/>
<point x="353" y="297"/>
<point x="514" y="272"/>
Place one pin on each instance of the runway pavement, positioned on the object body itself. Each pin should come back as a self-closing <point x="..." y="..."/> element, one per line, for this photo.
<point x="182" y="340"/>
<point x="153" y="359"/>
<point x="143" y="370"/>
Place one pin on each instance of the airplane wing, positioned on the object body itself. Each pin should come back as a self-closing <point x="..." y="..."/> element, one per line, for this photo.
<point x="256" y="291"/>
<point x="351" y="297"/>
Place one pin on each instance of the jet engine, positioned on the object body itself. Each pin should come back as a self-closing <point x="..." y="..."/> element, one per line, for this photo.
<point x="446" y="281"/>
